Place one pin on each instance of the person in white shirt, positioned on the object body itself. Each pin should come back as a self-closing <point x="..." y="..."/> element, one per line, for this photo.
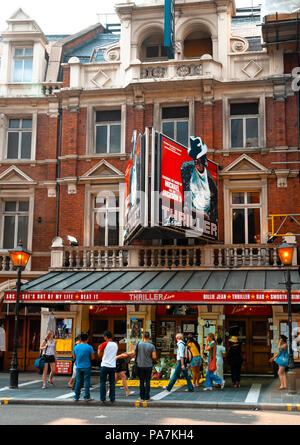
<point x="107" y="352"/>
<point x="181" y="366"/>
<point x="220" y="354"/>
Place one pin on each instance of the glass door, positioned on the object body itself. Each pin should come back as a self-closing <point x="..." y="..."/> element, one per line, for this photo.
<point x="33" y="342"/>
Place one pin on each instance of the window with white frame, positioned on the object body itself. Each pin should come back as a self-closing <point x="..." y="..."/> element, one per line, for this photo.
<point x="246" y="211"/>
<point x="106" y="213"/>
<point x="19" y="136"/>
<point x="22" y="64"/>
<point x="108" y="131"/>
<point x="15" y="216"/>
<point x="175" y="123"/>
<point x="244" y="124"/>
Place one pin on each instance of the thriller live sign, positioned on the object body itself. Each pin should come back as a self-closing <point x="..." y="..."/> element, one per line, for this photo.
<point x="154" y="297"/>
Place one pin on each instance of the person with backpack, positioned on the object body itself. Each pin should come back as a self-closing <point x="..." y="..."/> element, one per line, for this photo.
<point x="211" y="377"/>
<point x="181" y="366"/>
<point x="196" y="361"/>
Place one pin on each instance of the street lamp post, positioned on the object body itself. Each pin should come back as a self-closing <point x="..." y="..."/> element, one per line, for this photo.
<point x="19" y="257"/>
<point x="285" y="252"/>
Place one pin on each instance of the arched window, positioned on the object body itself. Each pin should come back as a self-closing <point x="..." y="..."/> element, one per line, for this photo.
<point x="197" y="43"/>
<point x="152" y="48"/>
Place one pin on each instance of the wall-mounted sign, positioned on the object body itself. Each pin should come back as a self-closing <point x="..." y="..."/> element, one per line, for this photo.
<point x="184" y="195"/>
<point x="135" y="187"/>
<point x="123" y="297"/>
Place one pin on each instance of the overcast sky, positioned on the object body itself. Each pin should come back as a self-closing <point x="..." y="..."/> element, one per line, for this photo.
<point x="66" y="16"/>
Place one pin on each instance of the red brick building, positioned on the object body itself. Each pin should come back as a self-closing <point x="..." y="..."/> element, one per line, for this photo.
<point x="228" y="84"/>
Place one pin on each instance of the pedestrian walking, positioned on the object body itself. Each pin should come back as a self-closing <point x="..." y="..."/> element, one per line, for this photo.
<point x="107" y="352"/>
<point x="220" y="354"/>
<point x="211" y="377"/>
<point x="196" y="360"/>
<point x="122" y="371"/>
<point x="282" y="359"/>
<point x="180" y="366"/>
<point x="145" y="353"/>
<point x="83" y="353"/>
<point x="49" y="348"/>
<point x="235" y="360"/>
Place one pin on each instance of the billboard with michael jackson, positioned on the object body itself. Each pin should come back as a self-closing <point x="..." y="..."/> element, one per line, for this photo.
<point x="188" y="188"/>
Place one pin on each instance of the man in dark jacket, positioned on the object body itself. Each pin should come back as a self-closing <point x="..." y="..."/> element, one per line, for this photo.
<point x="199" y="187"/>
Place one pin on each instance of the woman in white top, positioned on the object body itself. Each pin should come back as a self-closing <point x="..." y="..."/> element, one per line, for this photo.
<point x="220" y="354"/>
<point x="48" y="346"/>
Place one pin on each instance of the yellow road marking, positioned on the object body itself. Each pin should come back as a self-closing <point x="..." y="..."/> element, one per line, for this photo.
<point x="155" y="383"/>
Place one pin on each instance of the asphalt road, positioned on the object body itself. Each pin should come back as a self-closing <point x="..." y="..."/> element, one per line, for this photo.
<point x="86" y="415"/>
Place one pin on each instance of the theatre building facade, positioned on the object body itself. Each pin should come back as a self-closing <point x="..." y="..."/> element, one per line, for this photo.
<point x="71" y="112"/>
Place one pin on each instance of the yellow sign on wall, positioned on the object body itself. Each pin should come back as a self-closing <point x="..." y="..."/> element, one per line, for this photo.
<point x="64" y="345"/>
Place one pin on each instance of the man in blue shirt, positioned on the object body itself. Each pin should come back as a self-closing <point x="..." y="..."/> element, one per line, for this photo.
<point x="83" y="353"/>
<point x="180" y="366"/>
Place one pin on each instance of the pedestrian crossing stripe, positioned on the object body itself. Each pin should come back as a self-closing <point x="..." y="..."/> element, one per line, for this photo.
<point x="155" y="383"/>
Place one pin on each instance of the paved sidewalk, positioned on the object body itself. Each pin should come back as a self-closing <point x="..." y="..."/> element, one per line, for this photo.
<point x="255" y="393"/>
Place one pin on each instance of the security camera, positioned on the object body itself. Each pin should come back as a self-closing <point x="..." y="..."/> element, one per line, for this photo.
<point x="72" y="240"/>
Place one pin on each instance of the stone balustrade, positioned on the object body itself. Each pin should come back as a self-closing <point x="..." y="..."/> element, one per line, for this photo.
<point x="49" y="88"/>
<point x="218" y="256"/>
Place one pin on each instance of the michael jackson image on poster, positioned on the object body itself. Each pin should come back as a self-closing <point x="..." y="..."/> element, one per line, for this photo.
<point x="199" y="188"/>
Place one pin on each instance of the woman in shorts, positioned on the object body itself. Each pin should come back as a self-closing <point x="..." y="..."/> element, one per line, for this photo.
<point x="48" y="346"/>
<point x="196" y="360"/>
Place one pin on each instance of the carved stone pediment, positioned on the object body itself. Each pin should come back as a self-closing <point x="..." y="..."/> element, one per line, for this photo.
<point x="102" y="170"/>
<point x="13" y="176"/>
<point x="245" y="166"/>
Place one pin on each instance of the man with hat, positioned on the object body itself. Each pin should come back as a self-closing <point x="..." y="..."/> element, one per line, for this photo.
<point x="235" y="360"/>
<point x="199" y="187"/>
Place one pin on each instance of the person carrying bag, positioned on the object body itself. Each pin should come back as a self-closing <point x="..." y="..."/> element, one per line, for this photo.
<point x="282" y="360"/>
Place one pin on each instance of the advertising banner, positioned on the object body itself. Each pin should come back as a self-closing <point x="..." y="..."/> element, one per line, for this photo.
<point x="235" y="297"/>
<point x="135" y="187"/>
<point x="187" y="186"/>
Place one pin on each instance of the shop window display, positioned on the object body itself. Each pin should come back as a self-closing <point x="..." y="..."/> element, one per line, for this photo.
<point x="172" y="319"/>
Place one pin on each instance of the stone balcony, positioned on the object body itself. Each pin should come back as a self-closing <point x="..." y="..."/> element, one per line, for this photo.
<point x="217" y="256"/>
<point x="205" y="67"/>
<point x="110" y="74"/>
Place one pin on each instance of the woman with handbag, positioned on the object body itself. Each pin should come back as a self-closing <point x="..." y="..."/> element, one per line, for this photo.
<point x="48" y="346"/>
<point x="282" y="360"/>
<point x="235" y="360"/>
<point x="211" y="377"/>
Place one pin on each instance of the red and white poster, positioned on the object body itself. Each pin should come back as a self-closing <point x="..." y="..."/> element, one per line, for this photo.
<point x="63" y="367"/>
<point x="188" y="187"/>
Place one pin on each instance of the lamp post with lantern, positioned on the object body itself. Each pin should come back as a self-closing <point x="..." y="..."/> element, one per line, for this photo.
<point x="285" y="252"/>
<point x="19" y="257"/>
